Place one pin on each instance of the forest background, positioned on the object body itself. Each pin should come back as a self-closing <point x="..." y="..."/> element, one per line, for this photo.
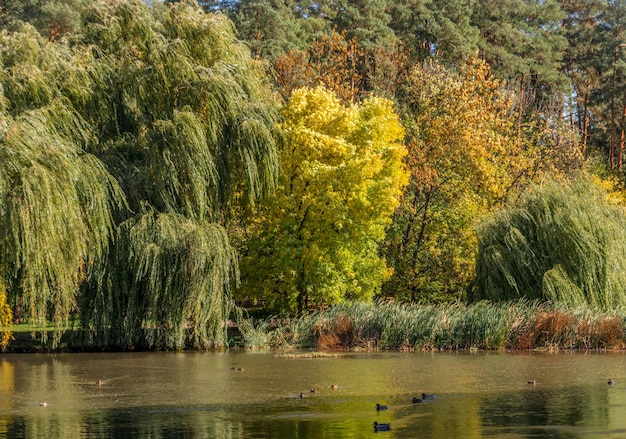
<point x="164" y="164"/>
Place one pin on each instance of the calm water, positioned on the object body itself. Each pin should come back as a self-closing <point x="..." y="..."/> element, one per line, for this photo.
<point x="169" y="395"/>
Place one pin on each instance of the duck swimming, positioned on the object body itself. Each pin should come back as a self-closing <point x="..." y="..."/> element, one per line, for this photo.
<point x="425" y="396"/>
<point x="381" y="407"/>
<point x="381" y="427"/>
<point x="611" y="381"/>
<point x="417" y="400"/>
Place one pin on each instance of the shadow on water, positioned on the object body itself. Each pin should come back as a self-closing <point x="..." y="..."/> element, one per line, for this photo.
<point x="189" y="395"/>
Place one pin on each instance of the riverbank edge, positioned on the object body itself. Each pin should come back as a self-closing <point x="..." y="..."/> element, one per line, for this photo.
<point x="392" y="326"/>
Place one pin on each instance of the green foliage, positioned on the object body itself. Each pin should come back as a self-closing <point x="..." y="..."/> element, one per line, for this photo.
<point x="439" y="28"/>
<point x="167" y="286"/>
<point x="521" y="38"/>
<point x="162" y="111"/>
<point x="187" y="123"/>
<point x="269" y="27"/>
<point x="560" y="243"/>
<point x="341" y="177"/>
<point x="56" y="207"/>
<point x="52" y="18"/>
<point x="367" y="21"/>
<point x="181" y="102"/>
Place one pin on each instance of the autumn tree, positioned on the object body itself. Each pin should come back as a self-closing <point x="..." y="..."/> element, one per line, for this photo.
<point x="464" y="160"/>
<point x="317" y="239"/>
<point x="344" y="66"/>
<point x="6" y="318"/>
<point x="330" y="61"/>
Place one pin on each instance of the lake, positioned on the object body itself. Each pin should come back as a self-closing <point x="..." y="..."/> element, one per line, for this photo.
<point x="205" y="395"/>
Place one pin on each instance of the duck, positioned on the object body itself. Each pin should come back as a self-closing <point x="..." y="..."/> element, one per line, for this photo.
<point x="300" y="395"/>
<point x="417" y="400"/>
<point x="313" y="390"/>
<point x="98" y="383"/>
<point x="381" y="427"/>
<point x="381" y="407"/>
<point x="43" y="404"/>
<point x="425" y="396"/>
<point x="532" y="382"/>
<point x="611" y="381"/>
<point x="334" y="387"/>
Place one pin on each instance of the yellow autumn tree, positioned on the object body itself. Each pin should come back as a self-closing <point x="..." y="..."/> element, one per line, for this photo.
<point x="342" y="175"/>
<point x="6" y="319"/>
<point x="465" y="158"/>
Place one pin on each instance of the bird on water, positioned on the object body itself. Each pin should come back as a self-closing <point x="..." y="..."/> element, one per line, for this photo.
<point x="381" y="427"/>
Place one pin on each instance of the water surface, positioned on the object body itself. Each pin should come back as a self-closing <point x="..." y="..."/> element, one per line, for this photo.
<point x="165" y="395"/>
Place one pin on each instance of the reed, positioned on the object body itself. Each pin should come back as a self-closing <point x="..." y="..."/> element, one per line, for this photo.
<point x="520" y="324"/>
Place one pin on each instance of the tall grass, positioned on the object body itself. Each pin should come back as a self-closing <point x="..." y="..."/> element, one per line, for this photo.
<point x="484" y="325"/>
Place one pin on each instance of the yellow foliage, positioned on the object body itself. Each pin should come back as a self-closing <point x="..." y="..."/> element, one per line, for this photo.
<point x="6" y="319"/>
<point x="342" y="176"/>
<point x="615" y="194"/>
<point x="466" y="157"/>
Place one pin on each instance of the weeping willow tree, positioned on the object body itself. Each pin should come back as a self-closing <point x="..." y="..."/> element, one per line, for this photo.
<point x="56" y="200"/>
<point x="562" y="243"/>
<point x="127" y="149"/>
<point x="185" y="121"/>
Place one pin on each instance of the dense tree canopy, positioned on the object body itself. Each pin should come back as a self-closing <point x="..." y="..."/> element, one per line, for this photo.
<point x="341" y="177"/>
<point x="165" y="114"/>
<point x="145" y="161"/>
<point x="464" y="159"/>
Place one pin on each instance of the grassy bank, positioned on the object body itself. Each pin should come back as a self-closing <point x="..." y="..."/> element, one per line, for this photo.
<point x="483" y="325"/>
<point x="395" y="326"/>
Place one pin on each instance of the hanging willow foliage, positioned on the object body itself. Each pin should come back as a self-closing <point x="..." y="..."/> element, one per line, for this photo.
<point x="187" y="129"/>
<point x="562" y="243"/>
<point x="161" y="109"/>
<point x="56" y="206"/>
<point x="178" y="82"/>
<point x="168" y="286"/>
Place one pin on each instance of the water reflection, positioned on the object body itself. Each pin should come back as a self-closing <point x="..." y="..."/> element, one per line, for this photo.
<point x="165" y="395"/>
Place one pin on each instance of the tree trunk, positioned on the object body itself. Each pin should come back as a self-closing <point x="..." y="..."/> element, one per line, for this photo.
<point x="612" y="142"/>
<point x="620" y="152"/>
<point x="585" y="119"/>
<point x="520" y="108"/>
